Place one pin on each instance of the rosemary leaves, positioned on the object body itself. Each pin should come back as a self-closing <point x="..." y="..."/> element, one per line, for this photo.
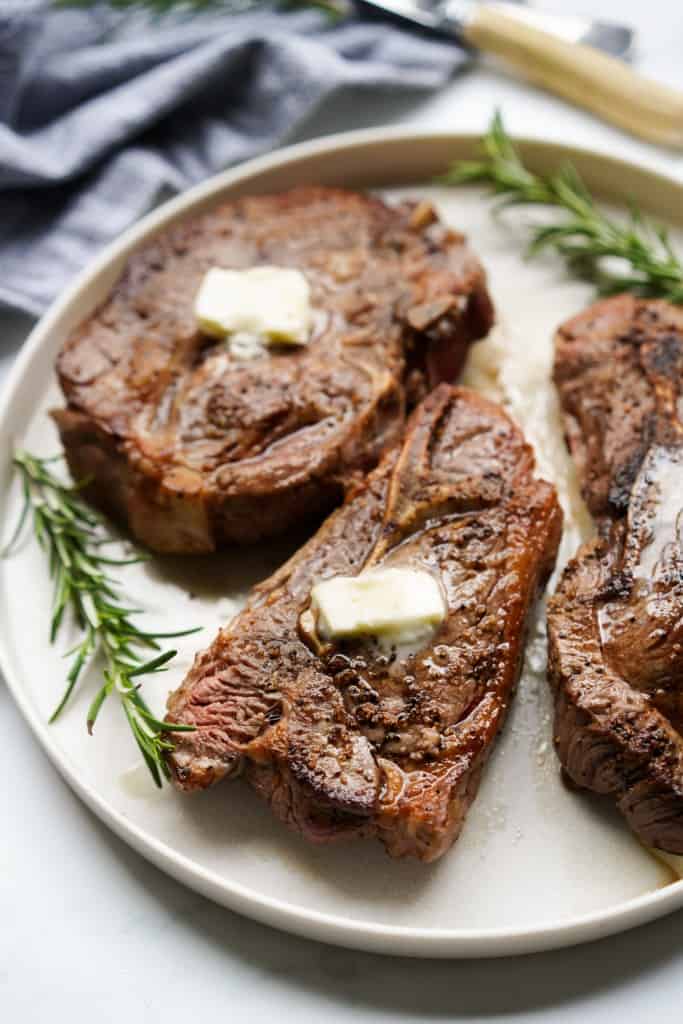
<point x="634" y="255"/>
<point x="72" y="537"/>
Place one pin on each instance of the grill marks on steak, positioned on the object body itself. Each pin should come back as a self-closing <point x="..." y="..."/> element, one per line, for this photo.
<point x="347" y="738"/>
<point x="193" y="447"/>
<point x="616" y="621"/>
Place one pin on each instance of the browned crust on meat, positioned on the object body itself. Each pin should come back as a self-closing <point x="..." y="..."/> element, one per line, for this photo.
<point x="608" y="360"/>
<point x="614" y="627"/>
<point x="192" y="448"/>
<point x="608" y="735"/>
<point x="343" y="741"/>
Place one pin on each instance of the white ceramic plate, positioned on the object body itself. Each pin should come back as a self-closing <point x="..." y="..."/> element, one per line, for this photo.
<point x="537" y="866"/>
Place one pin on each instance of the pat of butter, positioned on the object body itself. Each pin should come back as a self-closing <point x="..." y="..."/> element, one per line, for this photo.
<point x="403" y="603"/>
<point x="273" y="303"/>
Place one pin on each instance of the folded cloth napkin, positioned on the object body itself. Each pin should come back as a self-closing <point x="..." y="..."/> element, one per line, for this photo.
<point x="102" y="112"/>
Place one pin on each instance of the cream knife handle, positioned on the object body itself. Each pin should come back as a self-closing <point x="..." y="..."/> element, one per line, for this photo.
<point x="580" y="74"/>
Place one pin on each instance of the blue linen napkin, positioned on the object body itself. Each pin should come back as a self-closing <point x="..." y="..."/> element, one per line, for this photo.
<point x="101" y="113"/>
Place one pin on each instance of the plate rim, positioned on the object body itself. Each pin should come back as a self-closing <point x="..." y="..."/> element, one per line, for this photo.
<point x="313" y="924"/>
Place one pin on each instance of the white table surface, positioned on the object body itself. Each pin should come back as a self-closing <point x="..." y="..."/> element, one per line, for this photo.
<point x="91" y="932"/>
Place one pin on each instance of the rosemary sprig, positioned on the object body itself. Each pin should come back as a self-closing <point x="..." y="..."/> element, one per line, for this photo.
<point x="586" y="237"/>
<point x="72" y="537"/>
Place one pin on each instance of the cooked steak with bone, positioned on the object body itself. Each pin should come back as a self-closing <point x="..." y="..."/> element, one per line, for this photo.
<point x="194" y="447"/>
<point x="343" y="738"/>
<point x="616" y="620"/>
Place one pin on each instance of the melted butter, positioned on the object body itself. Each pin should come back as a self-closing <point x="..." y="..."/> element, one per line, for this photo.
<point x="403" y="648"/>
<point x="269" y="302"/>
<point x="655" y="531"/>
<point x="245" y="345"/>
<point x="398" y="605"/>
<point x="605" y="626"/>
<point x="662" y="475"/>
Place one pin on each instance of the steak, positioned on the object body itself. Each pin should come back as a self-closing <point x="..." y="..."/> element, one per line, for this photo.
<point x="616" y="620"/>
<point x="351" y="739"/>
<point x="193" y="447"/>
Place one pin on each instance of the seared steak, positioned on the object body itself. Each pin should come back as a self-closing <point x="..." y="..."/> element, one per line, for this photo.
<point x="616" y="620"/>
<point x="346" y="739"/>
<point x="193" y="447"/>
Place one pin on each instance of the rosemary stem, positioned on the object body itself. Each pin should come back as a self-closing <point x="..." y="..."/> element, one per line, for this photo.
<point x="587" y="238"/>
<point x="71" y="535"/>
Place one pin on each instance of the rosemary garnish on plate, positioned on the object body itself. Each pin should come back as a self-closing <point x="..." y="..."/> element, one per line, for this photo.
<point x="73" y="538"/>
<point x="588" y="239"/>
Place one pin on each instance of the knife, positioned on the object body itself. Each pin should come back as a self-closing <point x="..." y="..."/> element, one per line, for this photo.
<point x="572" y="57"/>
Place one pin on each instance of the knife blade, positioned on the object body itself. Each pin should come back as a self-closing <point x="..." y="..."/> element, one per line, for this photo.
<point x="445" y="17"/>
<point x="572" y="57"/>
